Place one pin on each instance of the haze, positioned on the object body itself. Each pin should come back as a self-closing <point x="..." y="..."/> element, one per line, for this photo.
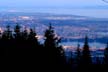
<point x="93" y="8"/>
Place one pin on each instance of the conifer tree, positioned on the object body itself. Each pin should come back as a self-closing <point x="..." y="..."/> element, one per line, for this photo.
<point x="7" y="34"/>
<point x="17" y="31"/>
<point x="86" y="60"/>
<point x="32" y="34"/>
<point x="32" y="37"/>
<point x="25" y="34"/>
<point x="86" y="56"/>
<point x="71" y="59"/>
<point x="78" y="54"/>
<point x="106" y="55"/>
<point x="51" y="40"/>
<point x="54" y="53"/>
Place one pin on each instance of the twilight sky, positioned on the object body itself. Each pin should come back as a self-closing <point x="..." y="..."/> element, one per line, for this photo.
<point x="24" y="3"/>
<point x="60" y="5"/>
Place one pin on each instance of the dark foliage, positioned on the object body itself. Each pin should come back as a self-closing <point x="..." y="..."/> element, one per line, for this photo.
<point x="23" y="52"/>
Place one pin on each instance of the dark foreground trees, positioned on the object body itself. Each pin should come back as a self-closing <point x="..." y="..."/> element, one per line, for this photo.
<point x="54" y="53"/>
<point x="22" y="51"/>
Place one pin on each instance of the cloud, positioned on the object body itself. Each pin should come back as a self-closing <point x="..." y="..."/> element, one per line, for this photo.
<point x="106" y="1"/>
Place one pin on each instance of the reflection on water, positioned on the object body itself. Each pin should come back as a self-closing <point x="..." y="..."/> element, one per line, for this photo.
<point x="91" y="45"/>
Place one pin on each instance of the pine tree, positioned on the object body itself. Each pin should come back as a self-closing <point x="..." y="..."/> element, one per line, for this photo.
<point x="32" y="37"/>
<point x="17" y="31"/>
<point x="71" y="59"/>
<point x="106" y="55"/>
<point x="86" y="60"/>
<point x="86" y="56"/>
<point x="32" y="34"/>
<point x="54" y="53"/>
<point x="78" y="54"/>
<point x="25" y="34"/>
<point x="51" y="40"/>
<point x="6" y="39"/>
<point x="7" y="34"/>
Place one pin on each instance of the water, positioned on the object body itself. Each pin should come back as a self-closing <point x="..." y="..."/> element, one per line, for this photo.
<point x="96" y="47"/>
<point x="92" y="45"/>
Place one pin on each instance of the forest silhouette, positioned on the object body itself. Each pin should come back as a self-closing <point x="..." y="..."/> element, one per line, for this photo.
<point x="23" y="52"/>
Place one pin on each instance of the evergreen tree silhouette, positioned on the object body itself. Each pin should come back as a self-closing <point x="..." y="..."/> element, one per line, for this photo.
<point x="7" y="34"/>
<point x="17" y="32"/>
<point x="32" y="37"/>
<point x="86" y="57"/>
<point x="50" y="37"/>
<point x="25" y="34"/>
<point x="71" y="62"/>
<point x="7" y="40"/>
<point x="23" y="48"/>
<point x="54" y="53"/>
<point x="106" y="58"/>
<point x="18" y="43"/>
<point x="99" y="66"/>
<point x="106" y="55"/>
<point x="78" y="59"/>
<point x="78" y="54"/>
